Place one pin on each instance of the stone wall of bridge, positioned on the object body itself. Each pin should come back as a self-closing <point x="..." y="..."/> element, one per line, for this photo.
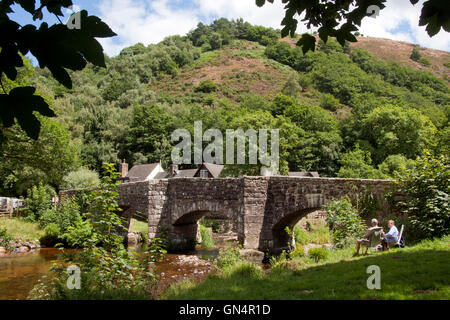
<point x="260" y="207"/>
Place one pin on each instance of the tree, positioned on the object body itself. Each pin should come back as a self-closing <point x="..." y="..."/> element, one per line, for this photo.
<point x="426" y="187"/>
<point x="341" y="19"/>
<point x="395" y="130"/>
<point x="26" y="162"/>
<point x="358" y="164"/>
<point x="56" y="47"/>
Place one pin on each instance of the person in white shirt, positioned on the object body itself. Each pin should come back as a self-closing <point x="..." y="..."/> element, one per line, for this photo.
<point x="392" y="236"/>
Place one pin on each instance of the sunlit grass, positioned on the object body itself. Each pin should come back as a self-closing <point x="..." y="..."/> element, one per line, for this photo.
<point x="18" y="228"/>
<point x="419" y="272"/>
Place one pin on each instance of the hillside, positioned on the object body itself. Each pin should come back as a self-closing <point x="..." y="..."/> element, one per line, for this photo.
<point x="341" y="111"/>
<point x="399" y="52"/>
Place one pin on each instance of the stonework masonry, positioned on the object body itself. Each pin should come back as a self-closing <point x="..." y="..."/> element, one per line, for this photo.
<point x="259" y="207"/>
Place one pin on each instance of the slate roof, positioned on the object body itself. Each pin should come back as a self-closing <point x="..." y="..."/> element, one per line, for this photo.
<point x="214" y="169"/>
<point x="141" y="171"/>
<point x="187" y="173"/>
<point x="304" y="174"/>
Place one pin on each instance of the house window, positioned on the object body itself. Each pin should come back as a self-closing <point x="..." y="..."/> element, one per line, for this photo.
<point x="203" y="173"/>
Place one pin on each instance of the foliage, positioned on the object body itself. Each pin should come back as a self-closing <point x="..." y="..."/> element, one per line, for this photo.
<point x="56" y="47"/>
<point x="318" y="254"/>
<point x="341" y="19"/>
<point x="113" y="267"/>
<point x="415" y="55"/>
<point x="27" y="162"/>
<point x="319" y="234"/>
<point x="395" y="163"/>
<point x="5" y="238"/>
<point x="67" y="214"/>
<point x="228" y="257"/>
<point x="80" y="179"/>
<point x="206" y="86"/>
<point x="358" y="164"/>
<point x="344" y="222"/>
<point x="395" y="130"/>
<point x="38" y="201"/>
<point x="207" y="239"/>
<point x="426" y="187"/>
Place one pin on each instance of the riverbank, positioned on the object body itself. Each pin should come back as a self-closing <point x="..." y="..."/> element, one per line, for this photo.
<point x="417" y="272"/>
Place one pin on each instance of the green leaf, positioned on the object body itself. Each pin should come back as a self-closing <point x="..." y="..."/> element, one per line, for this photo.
<point x="307" y="42"/>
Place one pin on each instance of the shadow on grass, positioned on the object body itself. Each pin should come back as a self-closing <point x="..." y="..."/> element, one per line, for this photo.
<point x="418" y="274"/>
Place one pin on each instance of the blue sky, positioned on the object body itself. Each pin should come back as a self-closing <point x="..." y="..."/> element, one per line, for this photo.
<point x="150" y="21"/>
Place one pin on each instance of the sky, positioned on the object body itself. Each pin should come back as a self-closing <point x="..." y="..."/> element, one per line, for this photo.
<point x="150" y="21"/>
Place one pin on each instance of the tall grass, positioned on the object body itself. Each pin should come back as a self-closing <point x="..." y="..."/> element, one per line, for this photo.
<point x="139" y="226"/>
<point x="18" y="228"/>
<point x="319" y="234"/>
<point x="207" y="238"/>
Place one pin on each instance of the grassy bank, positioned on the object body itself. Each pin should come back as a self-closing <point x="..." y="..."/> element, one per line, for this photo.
<point x="419" y="272"/>
<point x="21" y="229"/>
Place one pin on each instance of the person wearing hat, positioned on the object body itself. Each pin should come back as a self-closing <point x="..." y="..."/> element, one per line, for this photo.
<point x="371" y="235"/>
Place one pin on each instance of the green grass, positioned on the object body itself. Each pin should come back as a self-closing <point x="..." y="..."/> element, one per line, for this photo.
<point x="319" y="234"/>
<point x="19" y="228"/>
<point x="207" y="239"/>
<point x="419" y="272"/>
<point x="139" y="226"/>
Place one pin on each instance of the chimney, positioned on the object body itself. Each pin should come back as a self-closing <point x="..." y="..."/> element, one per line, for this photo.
<point x="173" y="169"/>
<point x="123" y="169"/>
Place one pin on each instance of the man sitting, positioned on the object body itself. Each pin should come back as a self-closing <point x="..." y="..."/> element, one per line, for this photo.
<point x="391" y="237"/>
<point x="371" y="238"/>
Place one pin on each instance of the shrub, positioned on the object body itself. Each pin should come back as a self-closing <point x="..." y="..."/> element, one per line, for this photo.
<point x="329" y="102"/>
<point x="39" y="199"/>
<point x="244" y="269"/>
<point x="426" y="188"/>
<point x="52" y="235"/>
<point x="66" y="214"/>
<point x="5" y="238"/>
<point x="80" y="179"/>
<point x="318" y="254"/>
<point x="298" y="252"/>
<point x="228" y="257"/>
<point x="206" y="86"/>
<point x="344" y="222"/>
<point x="415" y="55"/>
<point x="207" y="239"/>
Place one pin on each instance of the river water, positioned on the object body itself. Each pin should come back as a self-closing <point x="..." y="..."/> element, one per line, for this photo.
<point x="20" y="272"/>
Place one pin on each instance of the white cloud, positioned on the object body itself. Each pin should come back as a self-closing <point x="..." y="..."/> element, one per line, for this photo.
<point x="143" y="21"/>
<point x="400" y="21"/>
<point x="150" y="21"/>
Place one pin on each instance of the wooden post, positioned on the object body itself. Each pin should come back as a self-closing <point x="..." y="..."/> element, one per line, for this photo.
<point x="11" y="208"/>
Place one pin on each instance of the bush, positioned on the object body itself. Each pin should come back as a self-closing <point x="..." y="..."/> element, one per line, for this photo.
<point x="299" y="251"/>
<point x="344" y="222"/>
<point x="66" y="214"/>
<point x="329" y="102"/>
<point x="228" y="257"/>
<point x="80" y="179"/>
<point x="318" y="254"/>
<point x="426" y="188"/>
<point x="207" y="239"/>
<point x="206" y="86"/>
<point x="52" y="235"/>
<point x="5" y="238"/>
<point x="39" y="199"/>
<point x="415" y="55"/>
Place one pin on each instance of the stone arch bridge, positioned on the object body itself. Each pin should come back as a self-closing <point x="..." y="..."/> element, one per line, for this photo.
<point x="260" y="207"/>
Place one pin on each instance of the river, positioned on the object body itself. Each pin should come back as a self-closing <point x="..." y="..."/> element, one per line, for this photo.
<point x="20" y="272"/>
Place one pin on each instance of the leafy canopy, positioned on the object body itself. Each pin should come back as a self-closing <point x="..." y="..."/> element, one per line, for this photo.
<point x="56" y="47"/>
<point x="340" y="19"/>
